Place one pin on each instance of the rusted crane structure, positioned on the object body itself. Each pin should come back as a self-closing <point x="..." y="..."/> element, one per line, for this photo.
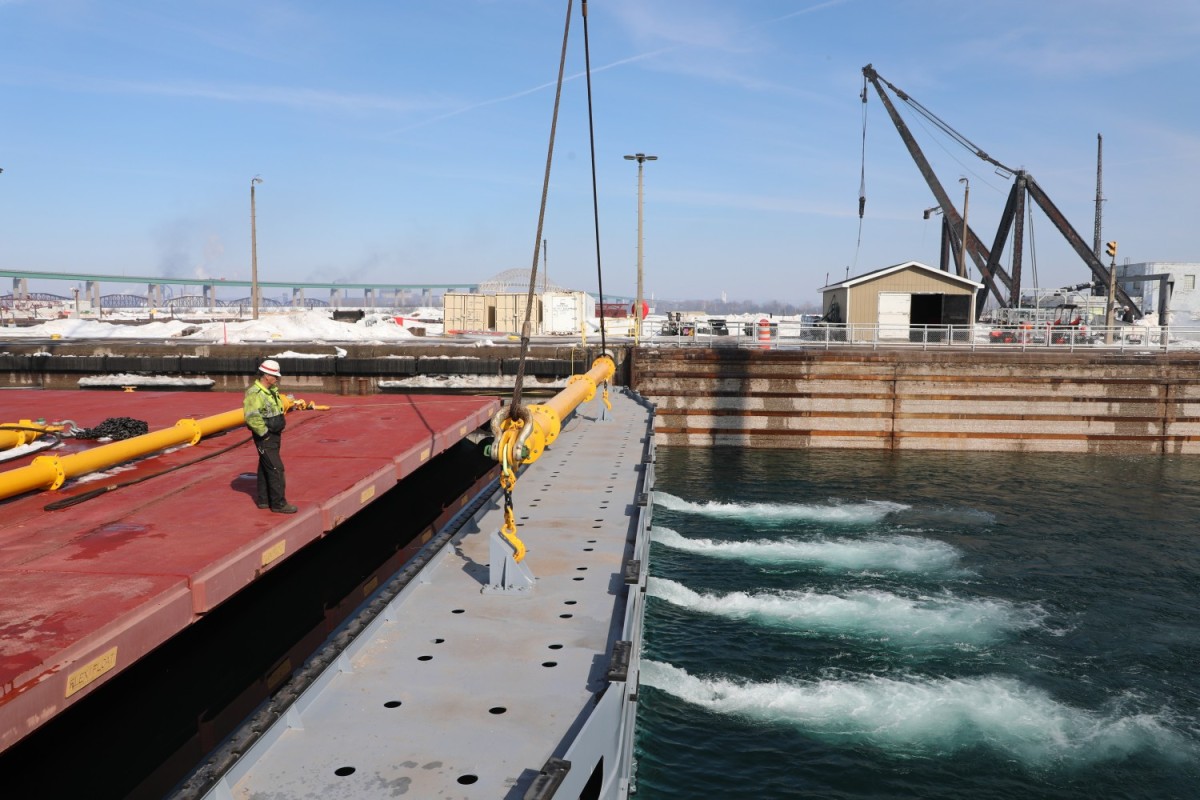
<point x="960" y="239"/>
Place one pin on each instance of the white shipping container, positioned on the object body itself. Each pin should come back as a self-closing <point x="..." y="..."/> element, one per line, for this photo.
<point x="564" y="312"/>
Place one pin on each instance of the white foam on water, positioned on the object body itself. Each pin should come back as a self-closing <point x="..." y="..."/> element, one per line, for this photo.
<point x="783" y="513"/>
<point x="921" y="620"/>
<point x="932" y="716"/>
<point x="888" y="554"/>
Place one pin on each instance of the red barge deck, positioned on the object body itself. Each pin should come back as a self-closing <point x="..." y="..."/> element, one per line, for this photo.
<point x="87" y="590"/>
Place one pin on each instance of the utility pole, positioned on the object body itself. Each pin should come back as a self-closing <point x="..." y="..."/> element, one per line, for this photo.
<point x="1112" y="293"/>
<point x="545" y="265"/>
<point x="641" y="159"/>
<point x="253" y="250"/>
<point x="1099" y="193"/>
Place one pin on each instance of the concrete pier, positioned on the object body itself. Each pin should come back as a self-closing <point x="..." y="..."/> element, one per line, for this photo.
<point x="918" y="400"/>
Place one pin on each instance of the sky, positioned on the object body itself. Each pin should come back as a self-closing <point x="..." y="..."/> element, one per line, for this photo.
<point x="405" y="141"/>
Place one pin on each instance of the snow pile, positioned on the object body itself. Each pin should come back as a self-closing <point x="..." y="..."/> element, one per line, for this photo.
<point x="92" y="329"/>
<point x="340" y="353"/>
<point x="471" y="382"/>
<point x="143" y="381"/>
<point x="297" y="326"/>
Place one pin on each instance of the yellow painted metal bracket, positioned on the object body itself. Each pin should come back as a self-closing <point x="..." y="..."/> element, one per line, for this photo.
<point x="18" y="434"/>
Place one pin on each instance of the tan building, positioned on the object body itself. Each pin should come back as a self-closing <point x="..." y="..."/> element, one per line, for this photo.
<point x="900" y="298"/>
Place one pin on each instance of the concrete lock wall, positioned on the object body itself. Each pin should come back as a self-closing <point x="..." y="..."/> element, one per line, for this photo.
<point x="906" y="400"/>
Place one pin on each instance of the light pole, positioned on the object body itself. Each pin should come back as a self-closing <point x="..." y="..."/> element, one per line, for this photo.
<point x="641" y="159"/>
<point x="962" y="245"/>
<point x="253" y="250"/>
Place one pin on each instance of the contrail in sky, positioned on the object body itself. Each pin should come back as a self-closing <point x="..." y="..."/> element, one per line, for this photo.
<point x="618" y="63"/>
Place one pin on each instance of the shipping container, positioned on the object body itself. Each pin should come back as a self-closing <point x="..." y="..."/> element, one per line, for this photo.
<point x="510" y="313"/>
<point x="463" y="311"/>
<point x="563" y="313"/>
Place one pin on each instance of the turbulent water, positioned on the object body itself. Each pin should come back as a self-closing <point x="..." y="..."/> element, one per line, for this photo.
<point x="933" y="625"/>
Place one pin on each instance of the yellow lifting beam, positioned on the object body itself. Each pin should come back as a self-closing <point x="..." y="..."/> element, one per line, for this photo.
<point x="18" y="434"/>
<point x="51" y="472"/>
<point x="522" y="441"/>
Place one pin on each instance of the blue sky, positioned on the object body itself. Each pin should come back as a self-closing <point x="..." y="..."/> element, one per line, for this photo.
<point x="405" y="141"/>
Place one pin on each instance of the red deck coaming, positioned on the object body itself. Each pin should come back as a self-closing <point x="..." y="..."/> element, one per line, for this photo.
<point x="131" y="568"/>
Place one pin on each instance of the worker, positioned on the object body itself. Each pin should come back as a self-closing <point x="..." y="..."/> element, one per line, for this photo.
<point x="263" y="409"/>
<point x="1126" y="314"/>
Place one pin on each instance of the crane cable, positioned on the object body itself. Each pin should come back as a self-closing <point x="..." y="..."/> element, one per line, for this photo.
<point x="512" y="432"/>
<point x="515" y="405"/>
<point x="1032" y="249"/>
<point x="945" y="127"/>
<point x="862" y="179"/>
<point x="587" y="70"/>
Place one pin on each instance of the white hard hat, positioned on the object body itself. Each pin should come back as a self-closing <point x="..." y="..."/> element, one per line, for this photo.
<point x="269" y="367"/>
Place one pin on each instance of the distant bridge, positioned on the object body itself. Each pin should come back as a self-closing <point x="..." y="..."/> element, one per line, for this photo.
<point x="373" y="294"/>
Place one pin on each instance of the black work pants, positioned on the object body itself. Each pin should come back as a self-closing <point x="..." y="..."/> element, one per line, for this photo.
<point x="272" y="483"/>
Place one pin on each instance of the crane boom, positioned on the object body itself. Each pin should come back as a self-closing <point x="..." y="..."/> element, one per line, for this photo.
<point x="978" y="253"/>
<point x="988" y="261"/>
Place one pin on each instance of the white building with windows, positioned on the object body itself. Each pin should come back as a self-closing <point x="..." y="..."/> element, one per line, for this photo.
<point x="1185" y="300"/>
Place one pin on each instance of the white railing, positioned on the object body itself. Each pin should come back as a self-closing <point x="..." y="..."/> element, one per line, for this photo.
<point x="793" y="335"/>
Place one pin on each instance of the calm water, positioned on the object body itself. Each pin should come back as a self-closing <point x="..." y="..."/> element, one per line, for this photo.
<point x="945" y="625"/>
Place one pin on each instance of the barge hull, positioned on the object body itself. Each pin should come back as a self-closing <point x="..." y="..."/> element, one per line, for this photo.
<point x="87" y="590"/>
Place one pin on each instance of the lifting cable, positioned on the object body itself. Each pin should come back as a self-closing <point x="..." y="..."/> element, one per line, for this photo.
<point x="945" y="127"/>
<point x="519" y="422"/>
<point x="587" y="71"/>
<point x="862" y="178"/>
<point x="1032" y="250"/>
<point x="514" y="408"/>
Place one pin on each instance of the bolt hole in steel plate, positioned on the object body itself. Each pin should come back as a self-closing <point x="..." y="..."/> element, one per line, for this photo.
<point x="497" y="710"/>
<point x="392" y="704"/>
<point x="467" y="780"/>
<point x="342" y="772"/>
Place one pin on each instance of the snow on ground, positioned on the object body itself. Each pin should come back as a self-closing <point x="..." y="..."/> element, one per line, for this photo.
<point x="318" y="327"/>
<point x="143" y="381"/>
<point x="296" y="326"/>
<point x="92" y="329"/>
<point x="470" y="382"/>
<point x="26" y="449"/>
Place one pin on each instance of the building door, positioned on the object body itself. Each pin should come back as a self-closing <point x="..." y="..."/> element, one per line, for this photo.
<point x="895" y="308"/>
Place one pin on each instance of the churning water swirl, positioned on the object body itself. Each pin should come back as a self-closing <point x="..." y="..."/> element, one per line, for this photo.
<point x="932" y="716"/>
<point x="865" y="612"/>
<point x="977" y="625"/>
<point x="893" y="553"/>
